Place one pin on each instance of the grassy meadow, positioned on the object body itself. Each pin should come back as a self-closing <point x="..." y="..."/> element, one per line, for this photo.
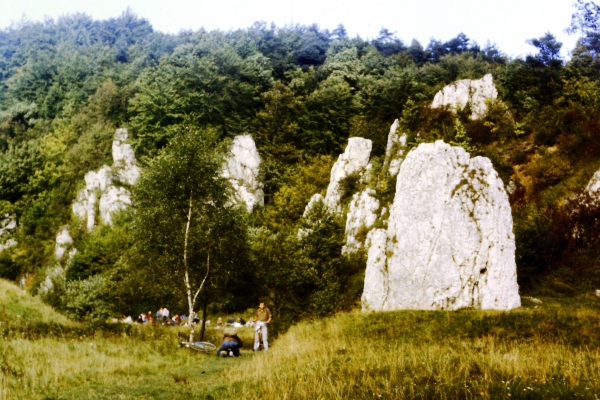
<point x="548" y="350"/>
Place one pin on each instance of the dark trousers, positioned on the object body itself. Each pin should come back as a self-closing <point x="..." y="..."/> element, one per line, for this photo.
<point x="226" y="346"/>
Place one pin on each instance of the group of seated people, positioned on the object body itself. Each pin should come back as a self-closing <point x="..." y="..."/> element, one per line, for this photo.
<point x="163" y="317"/>
<point x="236" y="323"/>
<point x="231" y="344"/>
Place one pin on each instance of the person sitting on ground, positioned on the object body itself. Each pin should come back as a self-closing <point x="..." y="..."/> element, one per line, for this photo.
<point x="165" y="314"/>
<point x="177" y="319"/>
<point x="142" y="319"/>
<point x="231" y="344"/>
<point x="236" y="324"/>
<point x="219" y="323"/>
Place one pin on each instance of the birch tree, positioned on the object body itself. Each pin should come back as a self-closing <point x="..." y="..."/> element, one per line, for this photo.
<point x="186" y="229"/>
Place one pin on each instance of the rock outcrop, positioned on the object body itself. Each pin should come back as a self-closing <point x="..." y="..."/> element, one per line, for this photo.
<point x="362" y="214"/>
<point x="395" y="150"/>
<point x="449" y="242"/>
<point x="7" y="224"/>
<point x="313" y="200"/>
<point x="350" y="165"/>
<point x="124" y="163"/>
<point x="103" y="192"/>
<point x="466" y="91"/>
<point x="594" y="183"/>
<point x="63" y="242"/>
<point x="242" y="169"/>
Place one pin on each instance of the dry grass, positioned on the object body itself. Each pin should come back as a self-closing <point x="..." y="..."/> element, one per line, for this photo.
<point x="338" y="359"/>
<point x="548" y="352"/>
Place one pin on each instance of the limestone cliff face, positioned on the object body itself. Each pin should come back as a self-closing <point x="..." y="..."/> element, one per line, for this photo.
<point x="7" y="224"/>
<point x="63" y="241"/>
<point x="124" y="162"/>
<point x="594" y="183"/>
<point x="395" y="150"/>
<point x="353" y="162"/>
<point x="242" y="169"/>
<point x="362" y="214"/>
<point x="466" y="91"/>
<point x="103" y="193"/>
<point x="449" y="242"/>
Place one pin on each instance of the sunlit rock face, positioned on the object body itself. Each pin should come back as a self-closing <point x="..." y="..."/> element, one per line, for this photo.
<point x="7" y="224"/>
<point x="352" y="163"/>
<point x="594" y="183"/>
<point x="449" y="242"/>
<point x="395" y="150"/>
<point x="311" y="203"/>
<point x="103" y="194"/>
<point x="466" y="91"/>
<point x="63" y="241"/>
<point x="362" y="214"/>
<point x="124" y="163"/>
<point x="113" y="199"/>
<point x="242" y="169"/>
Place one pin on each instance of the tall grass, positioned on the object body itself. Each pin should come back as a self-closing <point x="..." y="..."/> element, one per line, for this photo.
<point x="545" y="352"/>
<point x="466" y="354"/>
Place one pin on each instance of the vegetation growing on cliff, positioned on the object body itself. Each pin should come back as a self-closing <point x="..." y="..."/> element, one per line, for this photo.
<point x="301" y="91"/>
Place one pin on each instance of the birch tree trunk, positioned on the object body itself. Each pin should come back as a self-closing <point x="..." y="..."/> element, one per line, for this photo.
<point x="188" y="286"/>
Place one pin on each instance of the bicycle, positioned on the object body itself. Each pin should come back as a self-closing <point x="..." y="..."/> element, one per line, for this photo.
<point x="204" y="347"/>
<point x="261" y="346"/>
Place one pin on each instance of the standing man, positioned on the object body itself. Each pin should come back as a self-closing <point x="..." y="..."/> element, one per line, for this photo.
<point x="262" y="318"/>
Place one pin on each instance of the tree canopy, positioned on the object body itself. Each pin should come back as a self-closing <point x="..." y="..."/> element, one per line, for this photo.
<point x="301" y="91"/>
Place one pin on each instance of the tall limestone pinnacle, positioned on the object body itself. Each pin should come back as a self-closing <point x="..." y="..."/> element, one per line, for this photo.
<point x="242" y="170"/>
<point x="449" y="242"/>
<point x="353" y="161"/>
<point x="445" y="242"/>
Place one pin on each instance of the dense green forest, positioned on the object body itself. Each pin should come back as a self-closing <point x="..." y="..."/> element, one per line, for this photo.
<point x="301" y="92"/>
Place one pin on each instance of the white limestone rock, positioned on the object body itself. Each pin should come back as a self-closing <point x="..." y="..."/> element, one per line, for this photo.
<point x="375" y="292"/>
<point x="63" y="242"/>
<point x="7" y="224"/>
<point x="362" y="214"/>
<point x="54" y="274"/>
<point x="395" y="150"/>
<point x="242" y="169"/>
<point x="458" y="94"/>
<point x="313" y="200"/>
<point x="449" y="241"/>
<point x="112" y="200"/>
<point x="124" y="162"/>
<point x="594" y="183"/>
<point x="354" y="160"/>
<point x="100" y="193"/>
<point x="7" y="244"/>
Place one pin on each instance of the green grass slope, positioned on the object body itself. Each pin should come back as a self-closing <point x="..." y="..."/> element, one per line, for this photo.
<point x="548" y="350"/>
<point x="18" y="307"/>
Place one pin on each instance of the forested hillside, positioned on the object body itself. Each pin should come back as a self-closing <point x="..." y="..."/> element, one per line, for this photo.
<point x="66" y="85"/>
